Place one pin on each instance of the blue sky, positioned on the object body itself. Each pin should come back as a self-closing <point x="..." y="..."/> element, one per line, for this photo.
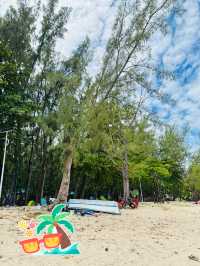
<point x="179" y="52"/>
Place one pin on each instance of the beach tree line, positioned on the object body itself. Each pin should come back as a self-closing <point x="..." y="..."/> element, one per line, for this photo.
<point x="73" y="131"/>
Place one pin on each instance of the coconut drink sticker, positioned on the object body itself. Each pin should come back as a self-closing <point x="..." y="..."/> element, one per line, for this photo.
<point x="50" y="234"/>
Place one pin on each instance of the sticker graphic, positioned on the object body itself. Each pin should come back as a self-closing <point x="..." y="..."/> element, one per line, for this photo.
<point x="50" y="234"/>
<point x="27" y="227"/>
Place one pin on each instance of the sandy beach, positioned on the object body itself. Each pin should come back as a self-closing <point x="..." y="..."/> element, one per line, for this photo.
<point x="156" y="235"/>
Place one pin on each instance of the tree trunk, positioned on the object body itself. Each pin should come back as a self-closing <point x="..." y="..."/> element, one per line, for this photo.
<point x="125" y="185"/>
<point x="64" y="187"/>
<point x="33" y="143"/>
<point x="82" y="187"/>
<point x="29" y="171"/>
<point x="41" y="180"/>
<point x="125" y="176"/>
<point x="17" y="156"/>
<point x="157" y="190"/>
<point x="65" y="240"/>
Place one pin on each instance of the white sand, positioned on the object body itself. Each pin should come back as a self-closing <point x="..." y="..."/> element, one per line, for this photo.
<point x="153" y="235"/>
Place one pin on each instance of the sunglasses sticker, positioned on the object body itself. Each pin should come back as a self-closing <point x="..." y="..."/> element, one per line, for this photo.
<point x="50" y="234"/>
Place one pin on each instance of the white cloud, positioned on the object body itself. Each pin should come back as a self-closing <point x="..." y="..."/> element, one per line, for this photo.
<point x="176" y="49"/>
<point x="92" y="18"/>
<point x="87" y="18"/>
<point x="4" y="5"/>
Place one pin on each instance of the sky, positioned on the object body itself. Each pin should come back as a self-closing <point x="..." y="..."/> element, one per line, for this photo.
<point x="179" y="52"/>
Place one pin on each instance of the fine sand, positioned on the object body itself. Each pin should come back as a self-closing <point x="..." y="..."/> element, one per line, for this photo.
<point x="153" y="235"/>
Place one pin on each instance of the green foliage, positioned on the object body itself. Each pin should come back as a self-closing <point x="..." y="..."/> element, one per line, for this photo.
<point x="192" y="180"/>
<point x="42" y="226"/>
<point x="173" y="152"/>
<point x="30" y="87"/>
<point x="135" y="192"/>
<point x="67" y="225"/>
<point x="45" y="218"/>
<point x="50" y="229"/>
<point x="12" y="105"/>
<point x="57" y="209"/>
<point x="61" y="216"/>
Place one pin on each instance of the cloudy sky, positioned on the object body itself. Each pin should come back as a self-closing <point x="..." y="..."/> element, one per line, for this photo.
<point x="179" y="51"/>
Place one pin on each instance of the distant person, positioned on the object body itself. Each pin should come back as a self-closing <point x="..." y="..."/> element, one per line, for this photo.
<point x="7" y="200"/>
<point x="91" y="198"/>
<point x="43" y="201"/>
<point x="20" y="200"/>
<point x="72" y="195"/>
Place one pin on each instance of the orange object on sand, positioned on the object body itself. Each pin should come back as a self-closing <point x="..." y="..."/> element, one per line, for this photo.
<point x="33" y="245"/>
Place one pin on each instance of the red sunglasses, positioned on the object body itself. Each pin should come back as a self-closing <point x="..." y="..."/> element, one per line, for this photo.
<point x="33" y="245"/>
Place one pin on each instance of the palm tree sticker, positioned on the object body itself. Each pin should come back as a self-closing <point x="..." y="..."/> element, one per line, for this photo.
<point x="55" y="228"/>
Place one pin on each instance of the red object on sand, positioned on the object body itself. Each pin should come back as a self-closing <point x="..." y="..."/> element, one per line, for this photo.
<point x="33" y="245"/>
<point x="133" y="203"/>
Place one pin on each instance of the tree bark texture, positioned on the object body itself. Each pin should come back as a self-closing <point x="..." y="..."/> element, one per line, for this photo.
<point x="125" y="176"/>
<point x="64" y="187"/>
<point x="65" y="240"/>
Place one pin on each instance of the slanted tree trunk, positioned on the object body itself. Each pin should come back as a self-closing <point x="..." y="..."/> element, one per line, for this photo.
<point x="65" y="240"/>
<point x="64" y="187"/>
